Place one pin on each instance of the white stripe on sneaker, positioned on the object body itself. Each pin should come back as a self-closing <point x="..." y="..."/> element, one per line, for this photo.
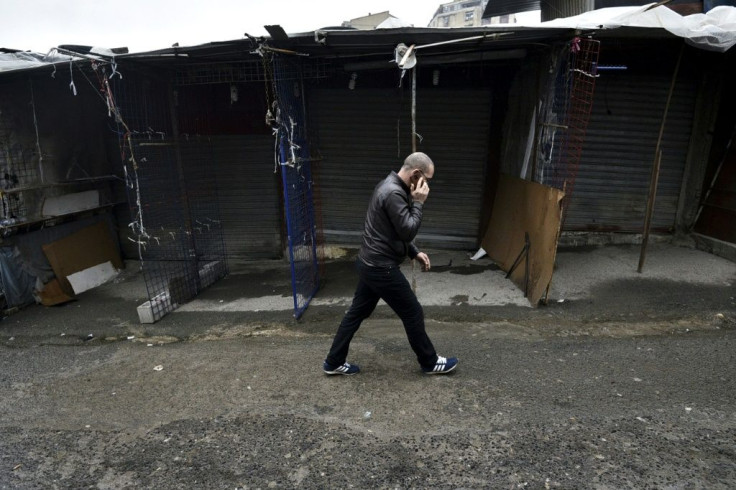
<point x="442" y="366"/>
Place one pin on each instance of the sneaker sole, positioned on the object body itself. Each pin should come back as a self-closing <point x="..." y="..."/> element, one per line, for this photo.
<point x="333" y="373"/>
<point x="441" y="372"/>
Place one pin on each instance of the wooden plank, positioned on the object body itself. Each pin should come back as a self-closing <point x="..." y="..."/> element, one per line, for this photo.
<point x="524" y="207"/>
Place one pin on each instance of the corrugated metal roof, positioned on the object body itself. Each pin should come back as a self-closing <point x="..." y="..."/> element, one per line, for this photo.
<point x="334" y="42"/>
<point x="339" y="43"/>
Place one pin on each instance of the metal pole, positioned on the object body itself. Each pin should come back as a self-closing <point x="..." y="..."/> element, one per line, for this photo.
<point x="191" y="261"/>
<point x="650" y="209"/>
<point x="414" y="109"/>
<point x="413" y="150"/>
<point x="655" y="169"/>
<point x="493" y="36"/>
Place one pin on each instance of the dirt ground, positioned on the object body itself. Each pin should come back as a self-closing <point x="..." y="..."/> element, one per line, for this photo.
<point x="623" y="380"/>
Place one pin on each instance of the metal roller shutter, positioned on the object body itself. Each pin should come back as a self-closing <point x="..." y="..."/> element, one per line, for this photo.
<point x="495" y="8"/>
<point x="612" y="185"/>
<point x="248" y="196"/>
<point x="360" y="145"/>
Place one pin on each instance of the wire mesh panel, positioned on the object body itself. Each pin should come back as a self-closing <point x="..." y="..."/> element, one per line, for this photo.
<point x="173" y="196"/>
<point x="204" y="223"/>
<point x="583" y="72"/>
<point x="243" y="71"/>
<point x="165" y="241"/>
<point x="554" y="112"/>
<point x="568" y="115"/>
<point x="289" y="121"/>
<point x="20" y="164"/>
<point x="16" y="174"/>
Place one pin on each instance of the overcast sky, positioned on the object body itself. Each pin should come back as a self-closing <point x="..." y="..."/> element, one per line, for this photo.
<point x="143" y="25"/>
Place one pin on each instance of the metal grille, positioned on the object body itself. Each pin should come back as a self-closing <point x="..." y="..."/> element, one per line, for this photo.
<point x="614" y="172"/>
<point x="14" y="178"/>
<point x="19" y="167"/>
<point x="573" y="103"/>
<point x="173" y="196"/>
<point x="288" y="116"/>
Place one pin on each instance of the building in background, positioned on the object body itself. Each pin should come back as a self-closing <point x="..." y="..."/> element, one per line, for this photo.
<point x="554" y="9"/>
<point x="466" y="13"/>
<point x="382" y="20"/>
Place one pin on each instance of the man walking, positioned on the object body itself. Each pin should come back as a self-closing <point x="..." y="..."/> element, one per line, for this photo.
<point x="391" y="223"/>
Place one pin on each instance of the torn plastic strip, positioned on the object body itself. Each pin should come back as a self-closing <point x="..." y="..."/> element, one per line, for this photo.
<point x="71" y="76"/>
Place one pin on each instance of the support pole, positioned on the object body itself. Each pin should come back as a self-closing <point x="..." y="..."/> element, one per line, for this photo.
<point x="413" y="150"/>
<point x="190" y="255"/>
<point x="414" y="109"/>
<point x="650" y="210"/>
<point x="655" y="169"/>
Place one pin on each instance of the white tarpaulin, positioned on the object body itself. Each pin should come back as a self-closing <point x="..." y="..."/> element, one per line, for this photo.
<point x="714" y="31"/>
<point x="27" y="60"/>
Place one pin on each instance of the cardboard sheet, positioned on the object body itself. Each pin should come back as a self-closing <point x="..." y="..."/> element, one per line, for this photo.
<point x="525" y="207"/>
<point x="81" y="250"/>
<point x="52" y="294"/>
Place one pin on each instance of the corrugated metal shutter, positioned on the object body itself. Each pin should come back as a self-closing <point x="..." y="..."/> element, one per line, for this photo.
<point x="360" y="145"/>
<point x="555" y="9"/>
<point x="248" y="196"/>
<point x="612" y="185"/>
<point x="506" y="7"/>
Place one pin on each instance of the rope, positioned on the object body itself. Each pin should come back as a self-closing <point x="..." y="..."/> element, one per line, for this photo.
<point x="273" y="114"/>
<point x="38" y="141"/>
<point x="132" y="182"/>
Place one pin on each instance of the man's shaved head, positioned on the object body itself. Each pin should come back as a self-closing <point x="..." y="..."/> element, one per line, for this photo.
<point x="419" y="161"/>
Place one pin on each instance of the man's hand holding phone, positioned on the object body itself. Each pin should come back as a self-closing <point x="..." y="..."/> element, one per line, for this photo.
<point x="420" y="190"/>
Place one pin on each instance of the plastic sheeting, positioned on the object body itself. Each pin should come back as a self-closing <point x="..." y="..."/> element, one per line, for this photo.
<point x="713" y="31"/>
<point x="26" y="60"/>
<point x="18" y="285"/>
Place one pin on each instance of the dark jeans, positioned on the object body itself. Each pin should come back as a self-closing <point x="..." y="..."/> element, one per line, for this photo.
<point x="389" y="284"/>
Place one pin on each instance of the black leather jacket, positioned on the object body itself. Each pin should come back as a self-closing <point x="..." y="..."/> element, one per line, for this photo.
<point x="391" y="223"/>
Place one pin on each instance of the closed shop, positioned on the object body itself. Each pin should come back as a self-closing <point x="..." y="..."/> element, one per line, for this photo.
<point x="242" y="161"/>
<point x="365" y="134"/>
<point x="613" y="179"/>
<point x="248" y="196"/>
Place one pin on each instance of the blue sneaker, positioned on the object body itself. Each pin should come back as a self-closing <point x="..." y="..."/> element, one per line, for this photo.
<point x="443" y="366"/>
<point x="346" y="369"/>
